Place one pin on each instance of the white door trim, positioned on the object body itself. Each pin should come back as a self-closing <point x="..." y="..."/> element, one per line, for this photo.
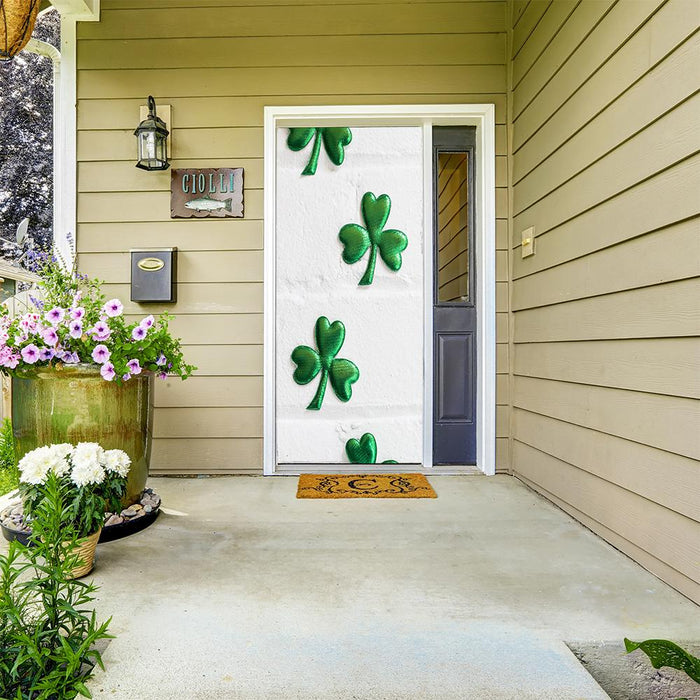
<point x="482" y="116"/>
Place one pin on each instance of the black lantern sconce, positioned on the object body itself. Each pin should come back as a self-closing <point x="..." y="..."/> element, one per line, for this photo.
<point x="152" y="137"/>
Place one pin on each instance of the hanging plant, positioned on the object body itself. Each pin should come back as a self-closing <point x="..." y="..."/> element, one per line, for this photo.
<point x="17" y="19"/>
<point x="335" y="139"/>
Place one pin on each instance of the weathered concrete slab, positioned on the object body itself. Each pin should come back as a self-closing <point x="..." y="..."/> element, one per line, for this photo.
<point x="243" y="591"/>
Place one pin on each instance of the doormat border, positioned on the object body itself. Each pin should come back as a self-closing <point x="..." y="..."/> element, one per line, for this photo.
<point x="401" y="485"/>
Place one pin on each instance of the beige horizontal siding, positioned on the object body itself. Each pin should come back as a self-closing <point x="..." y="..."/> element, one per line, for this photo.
<point x="606" y="317"/>
<point x="217" y="65"/>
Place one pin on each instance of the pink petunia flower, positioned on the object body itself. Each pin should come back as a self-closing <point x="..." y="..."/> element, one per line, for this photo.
<point x="46" y="354"/>
<point x="100" y="331"/>
<point x="126" y="377"/>
<point x="77" y="313"/>
<point x="101" y="354"/>
<point x="30" y="353"/>
<point x="49" y="336"/>
<point x="113" y="308"/>
<point x="76" y="329"/>
<point x="12" y="361"/>
<point x="71" y="358"/>
<point x="162" y="359"/>
<point x="107" y="371"/>
<point x="55" y="316"/>
<point x="162" y="375"/>
<point x="147" y="322"/>
<point x="134" y="366"/>
<point x="139" y="333"/>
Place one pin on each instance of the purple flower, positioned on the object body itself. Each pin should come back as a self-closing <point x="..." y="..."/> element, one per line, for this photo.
<point x="37" y="302"/>
<point x="100" y="331"/>
<point x="21" y="338"/>
<point x="126" y="377"/>
<point x="113" y="308"/>
<point x="76" y="329"/>
<point x="71" y="358"/>
<point x="46" y="354"/>
<point x="49" y="336"/>
<point x="77" y="313"/>
<point x="161" y="360"/>
<point x="77" y="297"/>
<point x="139" y="333"/>
<point x="55" y="316"/>
<point x="134" y="366"/>
<point x="162" y="375"/>
<point x="107" y="371"/>
<point x="30" y="354"/>
<point x="101" y="354"/>
<point x="147" y="322"/>
<point x="12" y="361"/>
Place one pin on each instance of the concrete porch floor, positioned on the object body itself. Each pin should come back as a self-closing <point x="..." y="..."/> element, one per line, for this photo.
<point x="243" y="591"/>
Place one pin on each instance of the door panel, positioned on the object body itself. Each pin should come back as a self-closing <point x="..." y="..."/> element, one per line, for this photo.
<point x="454" y="303"/>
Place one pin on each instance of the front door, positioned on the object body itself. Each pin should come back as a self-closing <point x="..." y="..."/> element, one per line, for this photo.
<point x="454" y="303"/>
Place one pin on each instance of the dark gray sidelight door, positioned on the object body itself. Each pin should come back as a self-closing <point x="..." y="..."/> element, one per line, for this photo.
<point x="454" y="304"/>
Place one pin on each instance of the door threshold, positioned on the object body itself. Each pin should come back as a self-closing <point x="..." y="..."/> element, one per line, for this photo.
<point x="447" y="470"/>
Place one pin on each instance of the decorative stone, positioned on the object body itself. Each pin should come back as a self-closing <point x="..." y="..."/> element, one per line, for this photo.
<point x="128" y="512"/>
<point x="114" y="519"/>
<point x="136" y="506"/>
<point x="148" y="509"/>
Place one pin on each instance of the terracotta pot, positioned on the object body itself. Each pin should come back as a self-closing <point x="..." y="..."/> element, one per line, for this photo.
<point x="85" y="549"/>
<point x="74" y="404"/>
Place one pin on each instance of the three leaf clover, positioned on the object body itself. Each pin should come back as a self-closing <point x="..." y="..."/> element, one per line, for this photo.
<point x="357" y="239"/>
<point x="343" y="373"/>
<point x="364" y="450"/>
<point x="334" y="138"/>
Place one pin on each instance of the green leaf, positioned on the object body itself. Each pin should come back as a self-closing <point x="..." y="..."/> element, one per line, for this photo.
<point x="375" y="212"/>
<point x="300" y="138"/>
<point x="308" y="364"/>
<point x="391" y="244"/>
<point x="335" y="138"/>
<point x="661" y="652"/>
<point x="343" y="375"/>
<point x="362" y="451"/>
<point x="82" y="689"/>
<point x="355" y="239"/>
<point x="329" y="339"/>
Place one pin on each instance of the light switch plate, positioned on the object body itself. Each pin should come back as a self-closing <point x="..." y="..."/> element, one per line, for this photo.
<point x="528" y="242"/>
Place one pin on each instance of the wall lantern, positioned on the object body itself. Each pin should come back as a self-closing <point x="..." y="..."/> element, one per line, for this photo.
<point x="152" y="137"/>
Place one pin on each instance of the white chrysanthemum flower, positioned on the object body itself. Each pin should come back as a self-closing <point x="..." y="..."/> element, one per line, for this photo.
<point x="87" y="464"/>
<point x="117" y="461"/>
<point x="35" y="465"/>
<point x="60" y="454"/>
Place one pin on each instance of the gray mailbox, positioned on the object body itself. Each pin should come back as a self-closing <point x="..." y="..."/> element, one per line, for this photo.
<point x="154" y="275"/>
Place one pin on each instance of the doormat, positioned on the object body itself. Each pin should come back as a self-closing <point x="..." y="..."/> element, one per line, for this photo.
<point x="364" y="486"/>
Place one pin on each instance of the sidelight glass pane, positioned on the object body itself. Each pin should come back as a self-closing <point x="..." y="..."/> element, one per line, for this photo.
<point x="453" y="228"/>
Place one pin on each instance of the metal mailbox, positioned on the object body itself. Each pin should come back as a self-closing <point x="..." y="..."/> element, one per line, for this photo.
<point x="154" y="275"/>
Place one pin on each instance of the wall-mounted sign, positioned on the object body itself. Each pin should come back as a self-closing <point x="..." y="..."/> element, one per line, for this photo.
<point x="206" y="192"/>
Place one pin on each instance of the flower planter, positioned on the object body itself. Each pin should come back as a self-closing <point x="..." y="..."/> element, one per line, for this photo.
<point x="73" y="403"/>
<point x="85" y="549"/>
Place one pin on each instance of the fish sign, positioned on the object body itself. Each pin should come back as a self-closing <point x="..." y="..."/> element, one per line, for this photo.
<point x="202" y="193"/>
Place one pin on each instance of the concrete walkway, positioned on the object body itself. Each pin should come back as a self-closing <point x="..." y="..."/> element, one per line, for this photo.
<point x="242" y="591"/>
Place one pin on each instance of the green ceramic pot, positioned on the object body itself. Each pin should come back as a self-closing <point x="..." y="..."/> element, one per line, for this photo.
<point x="74" y="404"/>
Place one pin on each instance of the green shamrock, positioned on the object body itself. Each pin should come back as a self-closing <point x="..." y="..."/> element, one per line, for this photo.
<point x="357" y="239"/>
<point x="334" y="138"/>
<point x="343" y="373"/>
<point x="364" y="450"/>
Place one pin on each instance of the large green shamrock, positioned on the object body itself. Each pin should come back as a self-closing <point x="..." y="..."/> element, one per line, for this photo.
<point x="364" y="450"/>
<point x="356" y="239"/>
<point x="334" y="138"/>
<point x="343" y="373"/>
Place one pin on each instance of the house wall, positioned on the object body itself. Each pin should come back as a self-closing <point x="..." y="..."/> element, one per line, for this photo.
<point x="604" y="135"/>
<point x="217" y="66"/>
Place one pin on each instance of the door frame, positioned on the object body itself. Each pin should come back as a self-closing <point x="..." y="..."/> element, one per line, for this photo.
<point x="482" y="116"/>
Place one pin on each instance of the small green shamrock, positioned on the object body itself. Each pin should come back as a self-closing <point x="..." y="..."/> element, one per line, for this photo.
<point x="357" y="240"/>
<point x="334" y="138"/>
<point x="364" y="450"/>
<point x="343" y="373"/>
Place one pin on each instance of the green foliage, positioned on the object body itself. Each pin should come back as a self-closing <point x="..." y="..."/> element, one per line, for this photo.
<point x="357" y="240"/>
<point x="661" y="652"/>
<point x="335" y="139"/>
<point x="342" y="373"/>
<point x="364" y="450"/>
<point x="9" y="473"/>
<point x="47" y="631"/>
